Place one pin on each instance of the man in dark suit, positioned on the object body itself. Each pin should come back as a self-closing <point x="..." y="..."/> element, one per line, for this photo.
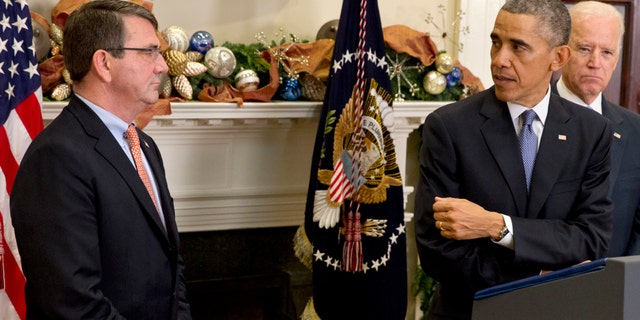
<point x="94" y="242"/>
<point x="479" y="222"/>
<point x="596" y="40"/>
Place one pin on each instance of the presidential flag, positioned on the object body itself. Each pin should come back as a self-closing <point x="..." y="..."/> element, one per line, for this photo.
<point x="354" y="218"/>
<point x="21" y="120"/>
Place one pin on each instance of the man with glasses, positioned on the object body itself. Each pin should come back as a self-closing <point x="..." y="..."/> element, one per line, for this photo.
<point x="93" y="216"/>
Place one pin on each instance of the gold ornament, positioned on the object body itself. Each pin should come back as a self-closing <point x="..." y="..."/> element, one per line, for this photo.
<point x="194" y="69"/>
<point x="194" y="56"/>
<point x="66" y="76"/>
<point x="61" y="92"/>
<point x="182" y="85"/>
<point x="165" y="87"/>
<point x="55" y="33"/>
<point x="55" y="50"/>
<point x="434" y="82"/>
<point x="444" y="63"/>
<point x="176" y="60"/>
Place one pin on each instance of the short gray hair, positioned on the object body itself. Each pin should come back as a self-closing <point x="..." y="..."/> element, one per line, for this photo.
<point x="554" y="21"/>
<point x="588" y="9"/>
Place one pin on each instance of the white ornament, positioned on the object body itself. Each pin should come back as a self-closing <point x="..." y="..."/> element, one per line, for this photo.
<point x="176" y="38"/>
<point x="247" y="80"/>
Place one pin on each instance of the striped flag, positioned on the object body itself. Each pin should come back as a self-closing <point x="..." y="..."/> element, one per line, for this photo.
<point x="21" y="120"/>
<point x="354" y="233"/>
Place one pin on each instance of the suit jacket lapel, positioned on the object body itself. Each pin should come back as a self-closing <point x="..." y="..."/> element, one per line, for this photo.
<point x="502" y="142"/>
<point x="163" y="190"/>
<point x="619" y="138"/>
<point x="550" y="157"/>
<point x="112" y="152"/>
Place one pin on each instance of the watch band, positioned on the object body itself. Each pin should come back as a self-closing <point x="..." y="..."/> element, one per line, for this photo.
<point x="503" y="233"/>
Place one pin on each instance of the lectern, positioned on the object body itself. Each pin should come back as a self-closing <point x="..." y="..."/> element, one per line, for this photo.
<point x="606" y="289"/>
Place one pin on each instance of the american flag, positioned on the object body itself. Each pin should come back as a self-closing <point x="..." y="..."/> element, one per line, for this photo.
<point x="21" y="120"/>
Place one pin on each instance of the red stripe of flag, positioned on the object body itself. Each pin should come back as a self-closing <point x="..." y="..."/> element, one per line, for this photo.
<point x="8" y="163"/>
<point x="31" y="115"/>
<point x="21" y="121"/>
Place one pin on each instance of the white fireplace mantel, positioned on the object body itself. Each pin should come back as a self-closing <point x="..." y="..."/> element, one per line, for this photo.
<point x="248" y="167"/>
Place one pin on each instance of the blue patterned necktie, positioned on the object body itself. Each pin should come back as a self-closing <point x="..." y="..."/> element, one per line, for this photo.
<point x="528" y="144"/>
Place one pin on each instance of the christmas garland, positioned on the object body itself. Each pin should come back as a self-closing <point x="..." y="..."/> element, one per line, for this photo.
<point x="193" y="67"/>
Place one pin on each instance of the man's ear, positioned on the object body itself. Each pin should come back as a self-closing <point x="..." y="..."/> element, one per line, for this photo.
<point x="562" y="54"/>
<point x="102" y="64"/>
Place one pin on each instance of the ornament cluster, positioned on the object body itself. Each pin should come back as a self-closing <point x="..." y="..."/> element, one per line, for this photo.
<point x="192" y="56"/>
<point x="439" y="81"/>
<point x="196" y="62"/>
<point x="447" y="74"/>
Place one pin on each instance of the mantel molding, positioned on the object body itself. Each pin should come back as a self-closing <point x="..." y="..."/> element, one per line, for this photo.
<point x="199" y="113"/>
<point x="233" y="167"/>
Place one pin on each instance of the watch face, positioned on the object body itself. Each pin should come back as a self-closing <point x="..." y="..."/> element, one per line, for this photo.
<point x="504" y="232"/>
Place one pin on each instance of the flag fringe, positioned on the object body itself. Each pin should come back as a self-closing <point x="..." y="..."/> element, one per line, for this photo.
<point x="352" y="249"/>
<point x="309" y="312"/>
<point x="302" y="248"/>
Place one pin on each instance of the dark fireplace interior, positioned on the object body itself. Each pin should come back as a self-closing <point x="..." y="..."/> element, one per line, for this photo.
<point x="244" y="274"/>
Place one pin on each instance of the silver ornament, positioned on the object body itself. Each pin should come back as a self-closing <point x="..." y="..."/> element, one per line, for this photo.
<point x="220" y="62"/>
<point x="41" y="40"/>
<point x="328" y="30"/>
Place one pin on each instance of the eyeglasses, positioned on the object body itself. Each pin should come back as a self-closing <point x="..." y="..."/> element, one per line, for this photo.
<point x="154" y="52"/>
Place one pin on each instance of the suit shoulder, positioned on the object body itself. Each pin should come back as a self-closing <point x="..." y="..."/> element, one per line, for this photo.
<point x="624" y="119"/>
<point x="580" y="111"/>
<point x="626" y="113"/>
<point x="472" y="102"/>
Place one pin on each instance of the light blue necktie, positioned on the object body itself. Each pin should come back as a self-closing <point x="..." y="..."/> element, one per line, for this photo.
<point x="528" y="144"/>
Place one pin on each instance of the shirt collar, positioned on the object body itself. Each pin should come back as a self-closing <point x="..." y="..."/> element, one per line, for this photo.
<point x="541" y="109"/>
<point x="116" y="126"/>
<point x="564" y="92"/>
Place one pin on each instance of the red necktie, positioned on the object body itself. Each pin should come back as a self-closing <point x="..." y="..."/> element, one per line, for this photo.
<point x="134" y="142"/>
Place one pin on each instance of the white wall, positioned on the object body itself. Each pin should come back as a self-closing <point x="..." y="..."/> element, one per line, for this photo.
<point x="481" y="15"/>
<point x="239" y="21"/>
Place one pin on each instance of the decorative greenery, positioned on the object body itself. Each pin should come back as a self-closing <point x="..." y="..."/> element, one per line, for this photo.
<point x="423" y="288"/>
<point x="406" y="72"/>
<point x="248" y="57"/>
<point x="411" y="83"/>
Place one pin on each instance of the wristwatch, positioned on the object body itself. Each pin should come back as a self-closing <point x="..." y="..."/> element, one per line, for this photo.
<point x="503" y="233"/>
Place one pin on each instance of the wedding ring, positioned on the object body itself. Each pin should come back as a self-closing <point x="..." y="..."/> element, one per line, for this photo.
<point x="440" y="226"/>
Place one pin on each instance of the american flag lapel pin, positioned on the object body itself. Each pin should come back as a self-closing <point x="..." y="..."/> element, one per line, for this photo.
<point x="562" y="137"/>
<point x="617" y="135"/>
